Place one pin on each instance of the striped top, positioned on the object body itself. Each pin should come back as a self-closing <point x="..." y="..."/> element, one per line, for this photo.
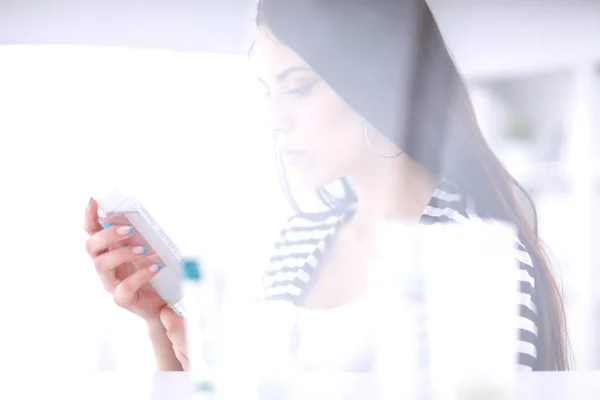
<point x="304" y="241"/>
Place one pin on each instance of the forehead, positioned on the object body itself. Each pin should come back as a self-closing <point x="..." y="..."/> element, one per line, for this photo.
<point x="269" y="56"/>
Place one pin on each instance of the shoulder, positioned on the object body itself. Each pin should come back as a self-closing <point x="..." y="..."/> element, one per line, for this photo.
<point x="307" y="228"/>
<point x="295" y="256"/>
<point x="449" y="204"/>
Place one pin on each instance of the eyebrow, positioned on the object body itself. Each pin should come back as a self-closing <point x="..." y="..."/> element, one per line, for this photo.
<point x="288" y="71"/>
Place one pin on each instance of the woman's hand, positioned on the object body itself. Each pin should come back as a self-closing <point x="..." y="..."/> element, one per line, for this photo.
<point x="175" y="329"/>
<point x="130" y="287"/>
<point x="113" y="262"/>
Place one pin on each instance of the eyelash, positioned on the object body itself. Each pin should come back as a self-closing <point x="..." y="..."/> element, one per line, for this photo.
<point x="301" y="91"/>
<point x="298" y="92"/>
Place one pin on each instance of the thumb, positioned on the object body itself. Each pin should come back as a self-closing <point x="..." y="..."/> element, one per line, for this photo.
<point x="91" y="224"/>
<point x="175" y="328"/>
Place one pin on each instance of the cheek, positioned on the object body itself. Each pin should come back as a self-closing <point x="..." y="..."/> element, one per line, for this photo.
<point x="333" y="129"/>
<point x="334" y="134"/>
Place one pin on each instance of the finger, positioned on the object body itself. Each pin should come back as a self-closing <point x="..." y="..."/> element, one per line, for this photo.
<point x="175" y="327"/>
<point x="182" y="358"/>
<point x="91" y="224"/>
<point x="111" y="278"/>
<point x="109" y="281"/>
<point x="111" y="260"/>
<point x="103" y="240"/>
<point x="125" y="293"/>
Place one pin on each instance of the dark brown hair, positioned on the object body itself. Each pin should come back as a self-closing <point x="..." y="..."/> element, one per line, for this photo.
<point x="445" y="138"/>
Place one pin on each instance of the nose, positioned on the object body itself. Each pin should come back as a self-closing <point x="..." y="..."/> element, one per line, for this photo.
<point x="281" y="120"/>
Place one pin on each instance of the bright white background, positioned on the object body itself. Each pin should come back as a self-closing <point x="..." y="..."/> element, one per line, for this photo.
<point x="179" y="130"/>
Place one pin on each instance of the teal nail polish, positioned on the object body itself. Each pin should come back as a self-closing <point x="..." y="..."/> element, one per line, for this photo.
<point x="130" y="230"/>
<point x="90" y="202"/>
<point x="106" y="225"/>
<point x="140" y="250"/>
<point x="159" y="267"/>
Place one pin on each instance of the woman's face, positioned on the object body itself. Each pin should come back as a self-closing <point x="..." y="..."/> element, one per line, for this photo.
<point x="320" y="137"/>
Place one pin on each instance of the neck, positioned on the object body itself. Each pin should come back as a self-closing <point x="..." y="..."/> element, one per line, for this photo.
<point x="396" y="189"/>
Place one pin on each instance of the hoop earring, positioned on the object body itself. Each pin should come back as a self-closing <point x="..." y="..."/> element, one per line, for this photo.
<point x="366" y="133"/>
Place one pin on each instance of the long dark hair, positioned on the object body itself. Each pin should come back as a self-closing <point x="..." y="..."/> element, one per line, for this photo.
<point x="446" y="139"/>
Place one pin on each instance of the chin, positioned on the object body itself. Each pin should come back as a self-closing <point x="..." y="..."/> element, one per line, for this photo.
<point x="311" y="180"/>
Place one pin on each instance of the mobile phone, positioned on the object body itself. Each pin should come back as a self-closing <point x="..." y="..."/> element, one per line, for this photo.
<point x="115" y="208"/>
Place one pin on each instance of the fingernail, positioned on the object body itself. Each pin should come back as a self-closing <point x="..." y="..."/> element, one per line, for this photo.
<point x="140" y="250"/>
<point x="90" y="202"/>
<point x="125" y="230"/>
<point x="155" y="267"/>
<point x="106" y="225"/>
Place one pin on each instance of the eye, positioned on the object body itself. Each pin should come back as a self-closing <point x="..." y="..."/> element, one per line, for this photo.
<point x="301" y="91"/>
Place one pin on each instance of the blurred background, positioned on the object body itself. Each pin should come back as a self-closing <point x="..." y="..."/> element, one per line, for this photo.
<point x="155" y="97"/>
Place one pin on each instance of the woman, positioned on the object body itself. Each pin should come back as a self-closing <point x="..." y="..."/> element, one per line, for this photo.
<point x="363" y="93"/>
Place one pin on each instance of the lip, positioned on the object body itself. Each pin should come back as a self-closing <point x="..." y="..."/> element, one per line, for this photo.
<point x="294" y="156"/>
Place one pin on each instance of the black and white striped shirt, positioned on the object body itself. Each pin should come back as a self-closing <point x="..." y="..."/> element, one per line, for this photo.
<point x="304" y="241"/>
